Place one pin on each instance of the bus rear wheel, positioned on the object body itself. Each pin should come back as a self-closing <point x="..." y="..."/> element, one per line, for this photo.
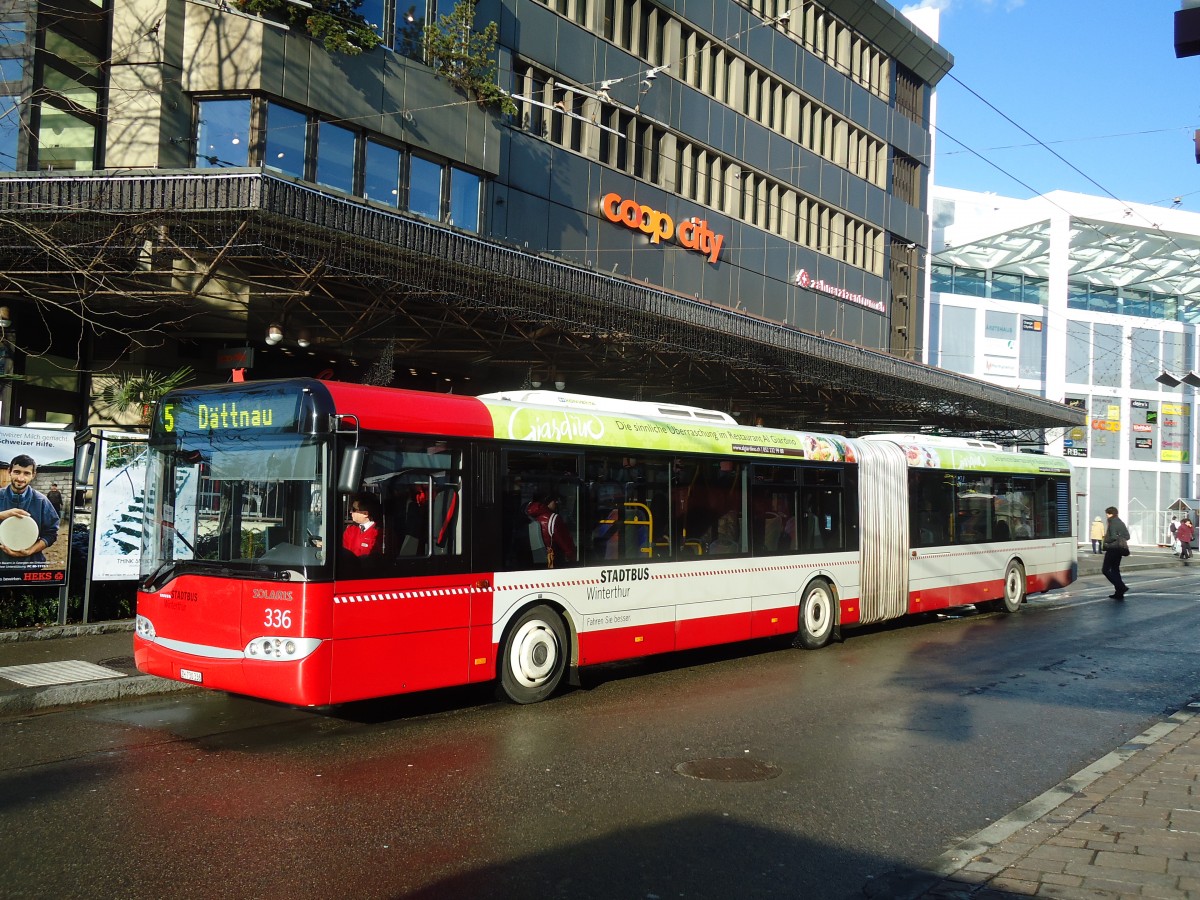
<point x="533" y="656"/>
<point x="1014" y="587"/>
<point x="817" y="610"/>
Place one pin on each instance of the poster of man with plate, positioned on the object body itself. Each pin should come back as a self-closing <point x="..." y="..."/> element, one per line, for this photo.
<point x="34" y="535"/>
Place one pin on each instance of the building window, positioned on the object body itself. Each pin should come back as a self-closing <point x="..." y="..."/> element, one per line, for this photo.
<point x="410" y="28"/>
<point x="906" y="180"/>
<point x="1140" y="303"/>
<point x="283" y="149"/>
<point x="1035" y="290"/>
<point x="464" y="200"/>
<point x="335" y="157"/>
<point x="425" y="188"/>
<point x="10" y="132"/>
<point x="910" y="95"/>
<point x="970" y="282"/>
<point x="941" y="279"/>
<point x="12" y="34"/>
<point x="400" y="24"/>
<point x="65" y="140"/>
<point x="222" y="133"/>
<point x="69" y="113"/>
<point x="375" y="12"/>
<point x="331" y="159"/>
<point x="12" y="72"/>
<point x="1107" y="350"/>
<point x="1077" y="296"/>
<point x="381" y="174"/>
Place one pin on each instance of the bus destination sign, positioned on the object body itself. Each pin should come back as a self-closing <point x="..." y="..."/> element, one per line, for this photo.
<point x="229" y="414"/>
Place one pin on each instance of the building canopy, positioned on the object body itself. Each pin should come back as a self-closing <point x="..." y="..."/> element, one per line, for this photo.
<point x="224" y="255"/>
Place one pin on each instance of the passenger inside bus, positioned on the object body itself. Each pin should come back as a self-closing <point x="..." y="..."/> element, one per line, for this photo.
<point x="728" y="535"/>
<point x="558" y="546"/>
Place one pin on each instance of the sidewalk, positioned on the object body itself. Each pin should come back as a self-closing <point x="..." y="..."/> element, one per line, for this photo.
<point x="71" y="665"/>
<point x="1126" y="826"/>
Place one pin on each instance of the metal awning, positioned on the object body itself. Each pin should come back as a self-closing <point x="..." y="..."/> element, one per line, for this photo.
<point x="223" y="254"/>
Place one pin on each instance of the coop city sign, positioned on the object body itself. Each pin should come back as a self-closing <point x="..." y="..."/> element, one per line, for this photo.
<point x="693" y="233"/>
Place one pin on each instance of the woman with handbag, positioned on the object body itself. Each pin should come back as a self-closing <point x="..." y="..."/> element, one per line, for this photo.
<point x="1185" y="533"/>
<point x="1116" y="547"/>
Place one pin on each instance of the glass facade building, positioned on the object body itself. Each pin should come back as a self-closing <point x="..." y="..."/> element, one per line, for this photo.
<point x="1086" y="300"/>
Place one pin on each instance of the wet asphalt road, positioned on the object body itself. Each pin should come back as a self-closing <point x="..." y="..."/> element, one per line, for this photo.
<point x="822" y="771"/>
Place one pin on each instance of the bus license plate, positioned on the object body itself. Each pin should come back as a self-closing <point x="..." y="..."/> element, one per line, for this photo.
<point x="191" y="675"/>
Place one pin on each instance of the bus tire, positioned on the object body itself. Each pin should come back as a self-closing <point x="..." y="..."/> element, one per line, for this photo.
<point x="533" y="656"/>
<point x="1014" y="588"/>
<point x="818" y="609"/>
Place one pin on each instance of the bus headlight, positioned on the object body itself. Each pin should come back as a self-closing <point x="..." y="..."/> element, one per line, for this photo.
<point x="281" y="649"/>
<point x="144" y="628"/>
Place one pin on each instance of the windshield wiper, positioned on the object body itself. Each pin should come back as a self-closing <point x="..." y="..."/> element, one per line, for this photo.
<point x="176" y="567"/>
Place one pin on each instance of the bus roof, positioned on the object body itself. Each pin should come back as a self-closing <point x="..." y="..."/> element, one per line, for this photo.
<point x="576" y="420"/>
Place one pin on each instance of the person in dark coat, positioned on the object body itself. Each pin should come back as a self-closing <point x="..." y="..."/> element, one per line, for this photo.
<point x="1116" y="548"/>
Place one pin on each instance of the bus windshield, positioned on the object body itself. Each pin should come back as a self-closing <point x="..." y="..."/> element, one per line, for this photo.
<point x="218" y="501"/>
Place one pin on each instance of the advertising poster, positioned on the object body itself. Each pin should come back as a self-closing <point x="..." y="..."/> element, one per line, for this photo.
<point x="37" y="472"/>
<point x="119" y="506"/>
<point x="1175" y="433"/>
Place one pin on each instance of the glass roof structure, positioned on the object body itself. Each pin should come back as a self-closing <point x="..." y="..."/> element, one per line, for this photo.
<point x="1111" y="244"/>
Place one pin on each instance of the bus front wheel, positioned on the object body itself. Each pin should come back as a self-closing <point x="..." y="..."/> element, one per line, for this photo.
<point x="817" y="611"/>
<point x="533" y="657"/>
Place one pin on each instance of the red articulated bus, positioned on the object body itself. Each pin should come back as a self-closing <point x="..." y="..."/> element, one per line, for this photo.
<point x="516" y="537"/>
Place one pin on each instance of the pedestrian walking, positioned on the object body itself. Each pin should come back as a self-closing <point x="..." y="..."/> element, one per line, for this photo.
<point x="1097" y="534"/>
<point x="1116" y="548"/>
<point x="1173" y="528"/>
<point x="1185" y="533"/>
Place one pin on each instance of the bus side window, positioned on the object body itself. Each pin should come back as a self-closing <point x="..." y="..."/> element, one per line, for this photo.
<point x="532" y="477"/>
<point x="930" y="499"/>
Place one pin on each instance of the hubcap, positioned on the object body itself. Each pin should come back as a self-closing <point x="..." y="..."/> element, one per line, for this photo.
<point x="816" y="612"/>
<point x="534" y="654"/>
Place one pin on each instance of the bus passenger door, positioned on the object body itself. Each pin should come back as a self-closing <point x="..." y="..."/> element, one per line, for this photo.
<point x="402" y="611"/>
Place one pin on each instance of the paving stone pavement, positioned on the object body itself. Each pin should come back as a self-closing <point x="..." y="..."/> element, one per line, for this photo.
<point x="1127" y="826"/>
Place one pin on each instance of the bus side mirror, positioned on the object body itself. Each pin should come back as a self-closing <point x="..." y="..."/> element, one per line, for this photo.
<point x="83" y="464"/>
<point x="354" y="460"/>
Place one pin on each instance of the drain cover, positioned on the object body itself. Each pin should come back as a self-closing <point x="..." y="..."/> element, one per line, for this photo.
<point x="728" y="769"/>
